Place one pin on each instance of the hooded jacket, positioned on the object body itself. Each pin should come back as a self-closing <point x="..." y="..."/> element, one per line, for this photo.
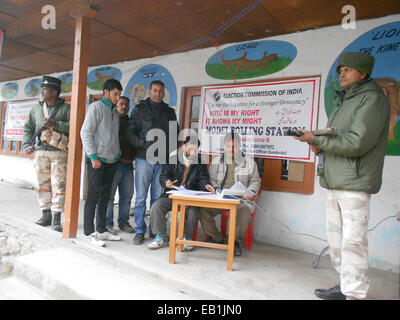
<point x="354" y="157"/>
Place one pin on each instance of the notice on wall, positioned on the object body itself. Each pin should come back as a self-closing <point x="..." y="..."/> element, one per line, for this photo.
<point x="16" y="115"/>
<point x="260" y="113"/>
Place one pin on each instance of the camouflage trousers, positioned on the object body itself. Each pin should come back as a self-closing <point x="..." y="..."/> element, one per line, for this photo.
<point x="347" y="227"/>
<point x="51" y="173"/>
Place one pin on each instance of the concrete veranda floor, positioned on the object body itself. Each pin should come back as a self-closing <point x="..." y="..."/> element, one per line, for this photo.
<point x="266" y="272"/>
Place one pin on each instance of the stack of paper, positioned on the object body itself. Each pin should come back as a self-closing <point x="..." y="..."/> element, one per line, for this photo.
<point x="183" y="191"/>
<point x="237" y="190"/>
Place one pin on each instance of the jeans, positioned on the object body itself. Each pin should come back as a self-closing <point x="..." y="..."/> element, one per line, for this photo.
<point x="147" y="176"/>
<point x="123" y="180"/>
<point x="99" y="186"/>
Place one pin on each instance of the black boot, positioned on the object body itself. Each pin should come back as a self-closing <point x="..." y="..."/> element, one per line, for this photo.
<point x="333" y="293"/>
<point x="237" y="249"/>
<point x="45" y="220"/>
<point x="56" y="224"/>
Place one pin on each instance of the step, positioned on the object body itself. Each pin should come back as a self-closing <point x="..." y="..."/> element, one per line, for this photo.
<point x="63" y="273"/>
<point x="13" y="288"/>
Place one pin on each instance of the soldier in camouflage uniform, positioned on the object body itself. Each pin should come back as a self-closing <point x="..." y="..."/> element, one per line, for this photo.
<point x="350" y="167"/>
<point x="50" y="163"/>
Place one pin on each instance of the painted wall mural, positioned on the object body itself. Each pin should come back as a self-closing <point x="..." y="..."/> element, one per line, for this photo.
<point x="139" y="84"/>
<point x="9" y="90"/>
<point x="66" y="82"/>
<point x="383" y="43"/>
<point x="251" y="59"/>
<point x="98" y="76"/>
<point x="32" y="88"/>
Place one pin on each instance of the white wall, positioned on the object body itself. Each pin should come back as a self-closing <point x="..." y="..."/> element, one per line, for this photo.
<point x="303" y="214"/>
<point x="18" y="170"/>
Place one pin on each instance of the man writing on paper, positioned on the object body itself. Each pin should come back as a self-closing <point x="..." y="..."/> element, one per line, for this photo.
<point x="225" y="171"/>
<point x="185" y="170"/>
<point x="350" y="167"/>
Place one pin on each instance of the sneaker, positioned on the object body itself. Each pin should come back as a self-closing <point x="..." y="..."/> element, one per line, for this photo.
<point x="110" y="228"/>
<point x="158" y="242"/>
<point x="187" y="247"/>
<point x="93" y="239"/>
<point x="125" y="226"/>
<point x="108" y="236"/>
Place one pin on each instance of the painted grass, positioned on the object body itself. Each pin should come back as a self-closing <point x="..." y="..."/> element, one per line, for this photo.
<point x="219" y="70"/>
<point x="331" y="99"/>
<point x="393" y="146"/>
<point x="66" y="88"/>
<point x="94" y="85"/>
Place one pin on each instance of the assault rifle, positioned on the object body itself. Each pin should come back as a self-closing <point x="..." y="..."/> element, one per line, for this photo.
<point x="37" y="134"/>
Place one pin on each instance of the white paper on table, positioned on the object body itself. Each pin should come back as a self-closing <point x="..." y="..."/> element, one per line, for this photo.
<point x="239" y="186"/>
<point x="183" y="190"/>
<point x="209" y="196"/>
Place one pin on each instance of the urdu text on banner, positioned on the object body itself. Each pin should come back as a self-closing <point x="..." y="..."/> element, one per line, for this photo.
<point x="260" y="113"/>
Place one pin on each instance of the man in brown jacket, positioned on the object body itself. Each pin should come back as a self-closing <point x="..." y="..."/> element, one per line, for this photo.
<point x="224" y="171"/>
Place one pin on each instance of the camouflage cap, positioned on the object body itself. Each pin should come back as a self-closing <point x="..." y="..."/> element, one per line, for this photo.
<point x="361" y="61"/>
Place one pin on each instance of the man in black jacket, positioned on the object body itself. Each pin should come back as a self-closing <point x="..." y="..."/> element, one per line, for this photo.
<point x="185" y="170"/>
<point x="152" y="122"/>
<point x="123" y="179"/>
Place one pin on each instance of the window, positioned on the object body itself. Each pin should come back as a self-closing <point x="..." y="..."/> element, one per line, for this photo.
<point x="288" y="175"/>
<point x="190" y="113"/>
<point x="277" y="175"/>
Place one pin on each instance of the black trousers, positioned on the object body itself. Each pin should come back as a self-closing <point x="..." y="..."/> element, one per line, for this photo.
<point x="99" y="188"/>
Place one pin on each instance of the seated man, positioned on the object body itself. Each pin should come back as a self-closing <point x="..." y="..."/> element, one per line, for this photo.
<point x="183" y="169"/>
<point x="225" y="171"/>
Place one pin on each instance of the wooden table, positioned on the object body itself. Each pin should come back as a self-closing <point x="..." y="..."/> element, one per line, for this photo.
<point x="183" y="201"/>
